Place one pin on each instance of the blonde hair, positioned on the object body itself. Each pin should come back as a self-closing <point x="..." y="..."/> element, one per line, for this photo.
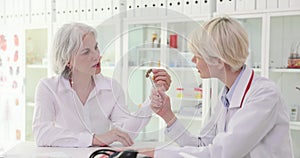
<point x="66" y="43"/>
<point x="223" y="38"/>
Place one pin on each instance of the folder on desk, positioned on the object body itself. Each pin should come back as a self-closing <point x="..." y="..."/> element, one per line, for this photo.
<point x="138" y="8"/>
<point x="34" y="5"/>
<point x="9" y="11"/>
<point x="245" y="5"/>
<point x="174" y="7"/>
<point x="149" y="7"/>
<point x="2" y="12"/>
<point x="221" y="5"/>
<point x="196" y="7"/>
<point x="82" y="10"/>
<point x="76" y="10"/>
<point x="130" y="6"/>
<point x="294" y="3"/>
<point x="27" y="11"/>
<point x="89" y="9"/>
<point x="41" y="17"/>
<point x="231" y="6"/>
<point x="208" y="6"/>
<point x="187" y="7"/>
<point x="162" y="5"/>
<point x="48" y="11"/>
<point x="69" y="14"/>
<point x="240" y="5"/>
<point x="261" y="4"/>
<point x="250" y="5"/>
<point x="118" y="7"/>
<point x="107" y="9"/>
<point x="97" y="9"/>
<point x="60" y="6"/>
<point x="272" y="4"/>
<point x="284" y="4"/>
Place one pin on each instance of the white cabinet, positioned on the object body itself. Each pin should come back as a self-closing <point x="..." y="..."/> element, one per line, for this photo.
<point x="254" y="27"/>
<point x="109" y="43"/>
<point x="36" y="49"/>
<point x="284" y="64"/>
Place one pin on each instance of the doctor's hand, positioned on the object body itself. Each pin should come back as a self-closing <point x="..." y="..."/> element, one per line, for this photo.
<point x="112" y="136"/>
<point x="162" y="78"/>
<point x="160" y="104"/>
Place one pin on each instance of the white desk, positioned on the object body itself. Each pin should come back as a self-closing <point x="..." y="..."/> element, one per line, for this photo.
<point x="30" y="150"/>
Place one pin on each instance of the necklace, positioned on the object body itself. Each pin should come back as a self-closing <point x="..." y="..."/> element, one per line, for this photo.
<point x="82" y="93"/>
<point x="71" y="82"/>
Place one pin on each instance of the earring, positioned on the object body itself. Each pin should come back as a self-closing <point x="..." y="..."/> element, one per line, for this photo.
<point x="69" y="65"/>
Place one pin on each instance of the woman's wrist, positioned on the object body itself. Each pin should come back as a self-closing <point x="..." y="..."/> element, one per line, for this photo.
<point x="171" y="122"/>
<point x="147" y="151"/>
<point x="170" y="119"/>
<point x="97" y="142"/>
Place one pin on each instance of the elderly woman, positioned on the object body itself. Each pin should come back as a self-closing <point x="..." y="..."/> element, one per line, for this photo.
<point x="78" y="107"/>
<point x="250" y="119"/>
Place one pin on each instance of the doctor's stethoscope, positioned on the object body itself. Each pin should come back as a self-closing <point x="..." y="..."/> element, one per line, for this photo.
<point x="213" y="126"/>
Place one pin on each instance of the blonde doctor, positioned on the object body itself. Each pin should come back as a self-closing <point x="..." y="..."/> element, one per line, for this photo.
<point x="250" y="119"/>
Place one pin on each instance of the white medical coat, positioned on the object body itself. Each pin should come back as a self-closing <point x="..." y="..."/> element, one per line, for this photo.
<point x="60" y="119"/>
<point x="259" y="129"/>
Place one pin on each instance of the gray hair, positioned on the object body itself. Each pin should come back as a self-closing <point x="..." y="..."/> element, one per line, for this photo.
<point x="223" y="38"/>
<point x="66" y="43"/>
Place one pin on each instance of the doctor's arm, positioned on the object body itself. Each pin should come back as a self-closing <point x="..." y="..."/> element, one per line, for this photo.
<point x="246" y="129"/>
<point x="160" y="104"/>
<point x="46" y="132"/>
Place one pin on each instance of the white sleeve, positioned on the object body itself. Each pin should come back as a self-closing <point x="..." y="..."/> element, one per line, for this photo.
<point x="138" y="120"/>
<point x="246" y="129"/>
<point x="181" y="135"/>
<point x="132" y="123"/>
<point x="45" y="131"/>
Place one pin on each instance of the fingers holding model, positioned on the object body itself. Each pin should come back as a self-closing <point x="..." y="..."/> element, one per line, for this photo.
<point x="160" y="104"/>
<point x="161" y="78"/>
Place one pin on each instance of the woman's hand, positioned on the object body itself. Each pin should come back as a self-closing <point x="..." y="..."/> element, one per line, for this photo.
<point x="162" y="78"/>
<point x="112" y="136"/>
<point x="160" y="104"/>
<point x="147" y="151"/>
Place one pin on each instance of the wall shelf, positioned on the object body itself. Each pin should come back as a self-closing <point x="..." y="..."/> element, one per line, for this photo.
<point x="187" y="99"/>
<point x="285" y="70"/>
<point x="295" y="125"/>
<point x="192" y="118"/>
<point x="37" y="66"/>
<point x="30" y="104"/>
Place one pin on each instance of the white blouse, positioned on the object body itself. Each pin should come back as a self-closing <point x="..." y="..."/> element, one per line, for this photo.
<point x="60" y="118"/>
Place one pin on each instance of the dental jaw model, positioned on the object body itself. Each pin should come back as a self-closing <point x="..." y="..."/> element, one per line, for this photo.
<point x="150" y="78"/>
